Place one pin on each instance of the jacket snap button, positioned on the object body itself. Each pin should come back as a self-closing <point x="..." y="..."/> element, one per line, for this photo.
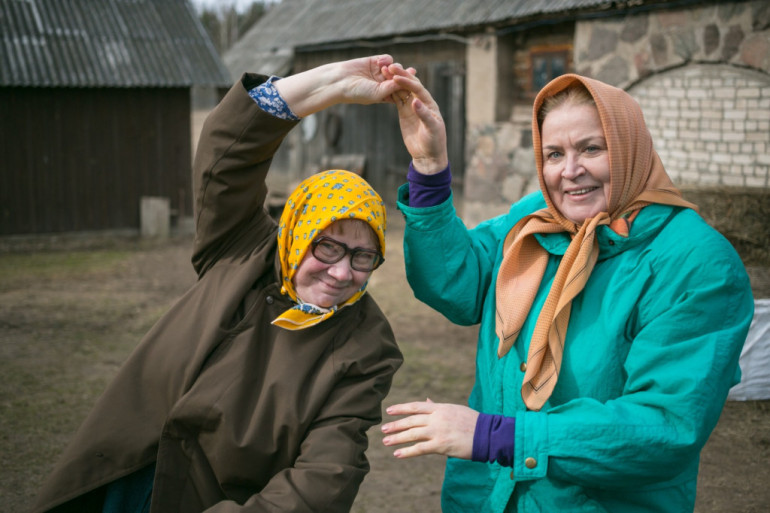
<point x="530" y="463"/>
<point x="269" y="300"/>
<point x="523" y="366"/>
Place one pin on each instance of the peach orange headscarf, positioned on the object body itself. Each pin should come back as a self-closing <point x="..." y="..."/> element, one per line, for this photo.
<point x="637" y="179"/>
<point x="316" y="203"/>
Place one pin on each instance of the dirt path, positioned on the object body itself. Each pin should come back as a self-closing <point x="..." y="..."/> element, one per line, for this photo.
<point x="66" y="326"/>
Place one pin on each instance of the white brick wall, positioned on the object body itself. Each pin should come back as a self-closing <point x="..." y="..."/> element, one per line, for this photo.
<point x="710" y="124"/>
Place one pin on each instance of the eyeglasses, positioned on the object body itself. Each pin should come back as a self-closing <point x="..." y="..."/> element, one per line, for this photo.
<point x="330" y="251"/>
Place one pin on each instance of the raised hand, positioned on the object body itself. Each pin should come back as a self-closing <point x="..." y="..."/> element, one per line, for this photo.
<point x="422" y="126"/>
<point x="364" y="81"/>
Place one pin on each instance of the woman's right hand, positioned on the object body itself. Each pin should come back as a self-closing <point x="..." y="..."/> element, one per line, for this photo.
<point x="422" y="126"/>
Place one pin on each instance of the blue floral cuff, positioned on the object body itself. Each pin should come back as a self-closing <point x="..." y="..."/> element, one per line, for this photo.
<point x="269" y="100"/>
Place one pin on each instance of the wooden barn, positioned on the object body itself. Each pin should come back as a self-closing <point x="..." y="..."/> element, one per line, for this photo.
<point x="700" y="70"/>
<point x="95" y="111"/>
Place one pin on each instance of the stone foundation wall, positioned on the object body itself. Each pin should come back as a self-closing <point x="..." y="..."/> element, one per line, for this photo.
<point x="625" y="50"/>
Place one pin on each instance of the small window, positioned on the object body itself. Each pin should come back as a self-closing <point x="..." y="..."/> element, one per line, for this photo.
<point x="547" y="64"/>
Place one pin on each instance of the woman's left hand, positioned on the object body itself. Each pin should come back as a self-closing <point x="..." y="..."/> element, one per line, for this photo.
<point x="433" y="428"/>
<point x="422" y="126"/>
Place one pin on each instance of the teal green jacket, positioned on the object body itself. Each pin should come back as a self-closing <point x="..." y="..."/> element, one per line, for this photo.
<point x="651" y="351"/>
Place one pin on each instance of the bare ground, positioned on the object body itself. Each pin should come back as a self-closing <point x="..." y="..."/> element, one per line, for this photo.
<point x="69" y="317"/>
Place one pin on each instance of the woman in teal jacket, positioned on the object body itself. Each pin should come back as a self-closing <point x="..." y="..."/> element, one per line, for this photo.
<point x="612" y="316"/>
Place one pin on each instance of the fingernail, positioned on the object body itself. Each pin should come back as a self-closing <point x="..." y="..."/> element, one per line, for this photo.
<point x="397" y="454"/>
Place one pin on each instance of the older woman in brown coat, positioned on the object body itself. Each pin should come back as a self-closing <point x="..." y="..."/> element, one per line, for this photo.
<point x="255" y="391"/>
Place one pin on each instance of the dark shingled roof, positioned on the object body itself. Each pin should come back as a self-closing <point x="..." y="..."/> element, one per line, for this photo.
<point x="106" y="43"/>
<point x="267" y="47"/>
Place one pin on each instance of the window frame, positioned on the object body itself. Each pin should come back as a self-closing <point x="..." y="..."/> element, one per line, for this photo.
<point x="549" y="52"/>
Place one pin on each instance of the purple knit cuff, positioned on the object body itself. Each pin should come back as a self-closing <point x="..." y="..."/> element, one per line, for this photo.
<point x="428" y="190"/>
<point x="493" y="439"/>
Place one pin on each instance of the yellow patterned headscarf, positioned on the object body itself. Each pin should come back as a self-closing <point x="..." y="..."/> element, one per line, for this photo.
<point x="316" y="203"/>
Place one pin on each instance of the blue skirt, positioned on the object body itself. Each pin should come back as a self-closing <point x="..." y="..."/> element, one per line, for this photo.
<point x="130" y="494"/>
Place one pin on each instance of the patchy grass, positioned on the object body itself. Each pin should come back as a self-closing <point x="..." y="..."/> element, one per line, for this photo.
<point x="68" y="319"/>
<point x="18" y="269"/>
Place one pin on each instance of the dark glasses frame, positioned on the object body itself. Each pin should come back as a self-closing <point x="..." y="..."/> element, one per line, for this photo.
<point x="377" y="260"/>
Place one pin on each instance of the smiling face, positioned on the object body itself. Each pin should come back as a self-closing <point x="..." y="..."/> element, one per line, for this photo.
<point x="576" y="163"/>
<point x="327" y="285"/>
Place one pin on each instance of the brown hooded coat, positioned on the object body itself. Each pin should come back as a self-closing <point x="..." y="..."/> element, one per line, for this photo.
<point x="239" y="415"/>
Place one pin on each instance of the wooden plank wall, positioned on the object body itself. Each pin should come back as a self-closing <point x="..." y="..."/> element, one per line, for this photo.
<point x="74" y="160"/>
<point x="374" y="130"/>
